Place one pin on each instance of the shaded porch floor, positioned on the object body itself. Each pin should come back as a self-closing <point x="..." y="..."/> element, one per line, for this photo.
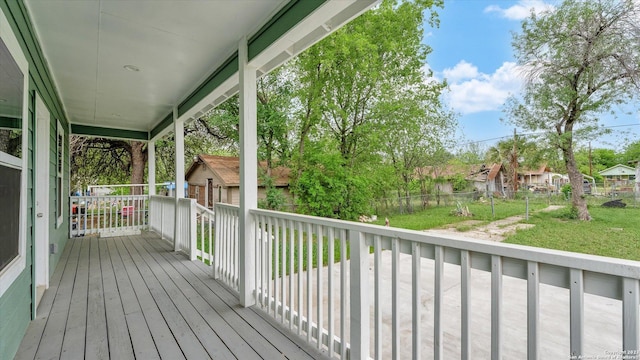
<point x="133" y="297"/>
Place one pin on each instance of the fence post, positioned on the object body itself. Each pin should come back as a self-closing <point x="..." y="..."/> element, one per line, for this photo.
<point x="493" y="209"/>
<point x="193" y="230"/>
<point x="359" y="296"/>
<point x="526" y="200"/>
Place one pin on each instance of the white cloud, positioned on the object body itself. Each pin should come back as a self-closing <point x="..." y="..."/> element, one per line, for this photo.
<point x="473" y="91"/>
<point x="521" y="10"/>
<point x="462" y="70"/>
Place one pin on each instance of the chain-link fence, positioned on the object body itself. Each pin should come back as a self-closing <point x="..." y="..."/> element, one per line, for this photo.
<point x="417" y="202"/>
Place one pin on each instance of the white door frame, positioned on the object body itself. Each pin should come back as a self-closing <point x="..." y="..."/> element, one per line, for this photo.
<point x="41" y="228"/>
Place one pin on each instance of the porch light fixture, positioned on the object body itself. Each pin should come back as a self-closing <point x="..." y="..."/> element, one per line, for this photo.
<point x="132" y="68"/>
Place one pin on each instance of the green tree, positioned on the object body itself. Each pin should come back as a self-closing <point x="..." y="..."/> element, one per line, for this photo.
<point x="364" y="87"/>
<point x="328" y="188"/>
<point x="580" y="60"/>
<point x="107" y="161"/>
<point x="631" y="153"/>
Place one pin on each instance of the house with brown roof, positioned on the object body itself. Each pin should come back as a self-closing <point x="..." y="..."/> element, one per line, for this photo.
<point x="213" y="179"/>
<point x="483" y="178"/>
<point x="542" y="176"/>
<point x="490" y="179"/>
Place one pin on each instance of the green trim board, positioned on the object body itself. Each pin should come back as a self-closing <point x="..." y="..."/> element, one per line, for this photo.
<point x="10" y="123"/>
<point x="108" y="132"/>
<point x="166" y="122"/>
<point x="288" y="17"/>
<point x="224" y="72"/>
<point x="20" y="22"/>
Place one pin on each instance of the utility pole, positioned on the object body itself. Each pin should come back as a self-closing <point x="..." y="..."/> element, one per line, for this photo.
<point x="590" y="161"/>
<point x="514" y="165"/>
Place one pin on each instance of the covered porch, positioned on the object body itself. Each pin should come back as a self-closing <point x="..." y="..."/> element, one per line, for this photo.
<point x="239" y="281"/>
<point x="326" y="288"/>
<point x="133" y="297"/>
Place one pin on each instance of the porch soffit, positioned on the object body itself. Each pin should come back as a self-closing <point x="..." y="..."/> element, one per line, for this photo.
<point x="185" y="52"/>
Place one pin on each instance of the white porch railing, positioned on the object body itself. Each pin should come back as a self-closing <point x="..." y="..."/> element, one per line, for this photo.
<point x="205" y="223"/>
<point x="356" y="291"/>
<point x="164" y="222"/>
<point x="107" y="215"/>
<point x="226" y="262"/>
<point x="162" y="212"/>
<point x="332" y="307"/>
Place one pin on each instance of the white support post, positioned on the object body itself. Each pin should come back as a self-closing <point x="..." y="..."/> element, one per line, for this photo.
<point x="576" y="312"/>
<point x="178" y="129"/>
<point x="248" y="174"/>
<point x="630" y="316"/>
<point x="193" y="232"/>
<point x="151" y="152"/>
<point x="359" y="296"/>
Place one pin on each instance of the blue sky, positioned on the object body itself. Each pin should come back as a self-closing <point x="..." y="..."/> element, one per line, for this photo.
<point x="472" y="50"/>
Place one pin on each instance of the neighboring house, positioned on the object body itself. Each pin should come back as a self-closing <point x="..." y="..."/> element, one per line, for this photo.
<point x="482" y="177"/>
<point x="489" y="178"/>
<point x="541" y="177"/>
<point x="215" y="179"/>
<point x="621" y="177"/>
<point x="443" y="175"/>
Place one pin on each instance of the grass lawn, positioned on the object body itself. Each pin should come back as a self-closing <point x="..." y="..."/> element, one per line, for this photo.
<point x="439" y="216"/>
<point x="612" y="232"/>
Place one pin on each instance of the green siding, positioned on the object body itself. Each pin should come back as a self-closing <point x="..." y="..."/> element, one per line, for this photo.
<point x="15" y="312"/>
<point x="58" y="236"/>
<point x="16" y="308"/>
<point x="15" y="304"/>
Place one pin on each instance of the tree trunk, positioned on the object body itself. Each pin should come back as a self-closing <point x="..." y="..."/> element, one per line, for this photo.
<point x="138" y="164"/>
<point x="575" y="178"/>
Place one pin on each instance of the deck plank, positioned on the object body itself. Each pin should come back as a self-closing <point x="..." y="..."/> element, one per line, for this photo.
<point x="190" y="346"/>
<point x="97" y="346"/>
<point x="237" y="345"/>
<point x="209" y="339"/>
<point x="131" y="282"/>
<point x="31" y="340"/>
<point x="117" y="290"/>
<point x="73" y="346"/>
<point x="138" y="332"/>
<point x="133" y="297"/>
<point x="254" y="324"/>
<point x="53" y="334"/>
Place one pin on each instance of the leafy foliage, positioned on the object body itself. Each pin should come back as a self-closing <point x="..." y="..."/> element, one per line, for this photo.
<point x="580" y="60"/>
<point x="275" y="198"/>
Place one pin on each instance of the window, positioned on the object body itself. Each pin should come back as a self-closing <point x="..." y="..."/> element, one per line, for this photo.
<point x="60" y="194"/>
<point x="11" y="99"/>
<point x="13" y="159"/>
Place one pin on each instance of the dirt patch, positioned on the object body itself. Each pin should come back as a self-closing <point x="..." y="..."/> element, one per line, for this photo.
<point x="494" y="231"/>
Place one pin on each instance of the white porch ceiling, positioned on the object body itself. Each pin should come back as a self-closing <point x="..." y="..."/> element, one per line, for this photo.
<point x="176" y="45"/>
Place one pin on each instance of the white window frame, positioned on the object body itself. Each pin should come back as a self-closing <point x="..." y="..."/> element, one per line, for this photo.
<point x="60" y="195"/>
<point x="11" y="272"/>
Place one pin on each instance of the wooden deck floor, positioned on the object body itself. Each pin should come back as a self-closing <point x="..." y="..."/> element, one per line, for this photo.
<point x="132" y="297"/>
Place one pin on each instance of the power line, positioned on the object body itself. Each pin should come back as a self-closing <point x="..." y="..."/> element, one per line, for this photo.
<point x="536" y="133"/>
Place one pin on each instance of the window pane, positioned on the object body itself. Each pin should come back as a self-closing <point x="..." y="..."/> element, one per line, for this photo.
<point x="11" y="100"/>
<point x="9" y="214"/>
